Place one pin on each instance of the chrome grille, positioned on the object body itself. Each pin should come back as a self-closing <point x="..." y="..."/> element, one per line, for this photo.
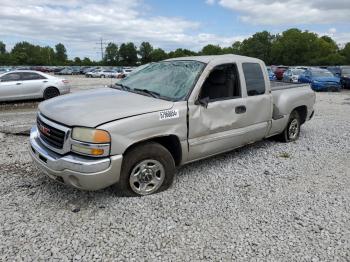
<point x="51" y="135"/>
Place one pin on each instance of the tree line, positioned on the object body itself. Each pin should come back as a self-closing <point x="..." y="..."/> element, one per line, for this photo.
<point x="291" y="47"/>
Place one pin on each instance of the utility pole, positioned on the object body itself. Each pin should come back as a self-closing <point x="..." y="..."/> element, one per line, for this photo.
<point x="102" y="46"/>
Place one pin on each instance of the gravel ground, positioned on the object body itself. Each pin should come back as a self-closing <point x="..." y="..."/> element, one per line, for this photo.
<point x="265" y="202"/>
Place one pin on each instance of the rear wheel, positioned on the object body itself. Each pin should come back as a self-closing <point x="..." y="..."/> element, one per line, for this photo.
<point x="147" y="169"/>
<point x="51" y="92"/>
<point x="292" y="131"/>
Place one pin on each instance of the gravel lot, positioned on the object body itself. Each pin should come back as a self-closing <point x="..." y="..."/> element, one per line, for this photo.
<point x="264" y="202"/>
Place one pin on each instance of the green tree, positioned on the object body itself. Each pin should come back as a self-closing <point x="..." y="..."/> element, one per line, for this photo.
<point x="259" y="45"/>
<point x="128" y="54"/>
<point x="236" y="47"/>
<point x="181" y="53"/>
<point x="346" y="53"/>
<point x="211" y="50"/>
<point x="2" y="48"/>
<point x="61" y="53"/>
<point x="86" y="62"/>
<point x="158" y="54"/>
<point x="145" y="51"/>
<point x="77" y="61"/>
<point x="111" y="54"/>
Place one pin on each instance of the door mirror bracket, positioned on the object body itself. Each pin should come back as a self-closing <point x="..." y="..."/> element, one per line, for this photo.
<point x="203" y="102"/>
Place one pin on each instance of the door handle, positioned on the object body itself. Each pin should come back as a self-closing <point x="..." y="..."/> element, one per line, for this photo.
<point x="240" y="109"/>
<point x="45" y="81"/>
<point x="18" y="83"/>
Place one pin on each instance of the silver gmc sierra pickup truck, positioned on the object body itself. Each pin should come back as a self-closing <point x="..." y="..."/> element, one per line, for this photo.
<point x="135" y="133"/>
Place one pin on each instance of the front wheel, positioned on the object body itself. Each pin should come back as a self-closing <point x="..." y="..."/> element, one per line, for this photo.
<point x="292" y="131"/>
<point x="147" y="169"/>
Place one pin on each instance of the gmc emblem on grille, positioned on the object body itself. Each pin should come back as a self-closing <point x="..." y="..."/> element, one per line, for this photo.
<point x="44" y="130"/>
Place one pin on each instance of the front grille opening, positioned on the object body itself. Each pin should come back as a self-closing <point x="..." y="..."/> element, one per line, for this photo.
<point x="44" y="159"/>
<point x="52" y="136"/>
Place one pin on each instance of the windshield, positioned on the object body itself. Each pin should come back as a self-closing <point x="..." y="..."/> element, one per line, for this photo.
<point x="322" y="73"/>
<point x="346" y="71"/>
<point x="170" y="79"/>
<point x="297" y="71"/>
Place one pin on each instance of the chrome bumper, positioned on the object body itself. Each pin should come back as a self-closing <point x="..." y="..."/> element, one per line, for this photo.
<point x="77" y="171"/>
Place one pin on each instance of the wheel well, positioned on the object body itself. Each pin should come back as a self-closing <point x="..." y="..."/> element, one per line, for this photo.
<point x="171" y="143"/>
<point x="302" y="111"/>
<point x="51" y="87"/>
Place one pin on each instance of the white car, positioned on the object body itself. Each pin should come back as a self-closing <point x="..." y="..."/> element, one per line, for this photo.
<point x="124" y="72"/>
<point x="292" y="75"/>
<point x="26" y="84"/>
<point x="102" y="73"/>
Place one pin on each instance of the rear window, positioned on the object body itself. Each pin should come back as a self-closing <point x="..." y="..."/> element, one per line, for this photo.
<point x="254" y="79"/>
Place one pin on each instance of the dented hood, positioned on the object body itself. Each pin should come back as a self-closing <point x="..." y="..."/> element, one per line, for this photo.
<point x="95" y="107"/>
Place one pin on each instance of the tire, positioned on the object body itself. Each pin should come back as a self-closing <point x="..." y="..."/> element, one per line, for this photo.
<point x="147" y="169"/>
<point x="102" y="76"/>
<point x="292" y="131"/>
<point x="51" y="92"/>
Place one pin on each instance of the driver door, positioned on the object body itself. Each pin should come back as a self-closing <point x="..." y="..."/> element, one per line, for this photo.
<point x="218" y="123"/>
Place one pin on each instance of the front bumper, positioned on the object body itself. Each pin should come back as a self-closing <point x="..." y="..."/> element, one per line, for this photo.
<point x="77" y="171"/>
<point x="325" y="86"/>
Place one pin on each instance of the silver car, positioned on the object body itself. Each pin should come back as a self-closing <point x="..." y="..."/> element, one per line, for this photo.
<point x="26" y="84"/>
<point x="103" y="73"/>
<point x="292" y="75"/>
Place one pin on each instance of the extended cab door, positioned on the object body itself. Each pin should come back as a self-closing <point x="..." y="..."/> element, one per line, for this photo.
<point x="224" y="117"/>
<point x="258" y="100"/>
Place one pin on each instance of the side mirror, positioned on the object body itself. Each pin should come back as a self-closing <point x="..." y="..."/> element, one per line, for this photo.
<point x="203" y="102"/>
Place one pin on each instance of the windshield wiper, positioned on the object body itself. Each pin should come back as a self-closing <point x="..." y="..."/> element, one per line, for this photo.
<point x="148" y="92"/>
<point x="123" y="87"/>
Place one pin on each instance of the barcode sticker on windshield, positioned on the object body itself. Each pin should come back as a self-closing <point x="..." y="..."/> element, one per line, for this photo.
<point x="168" y="114"/>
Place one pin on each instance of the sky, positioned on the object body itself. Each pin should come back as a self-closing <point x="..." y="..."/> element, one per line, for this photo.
<point x="168" y="24"/>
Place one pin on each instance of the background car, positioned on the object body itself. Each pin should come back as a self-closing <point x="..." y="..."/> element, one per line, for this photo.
<point x="101" y="73"/>
<point x="279" y="70"/>
<point x="320" y="79"/>
<point x="271" y="74"/>
<point x="124" y="72"/>
<point x="292" y="75"/>
<point x="20" y="85"/>
<point x="343" y="72"/>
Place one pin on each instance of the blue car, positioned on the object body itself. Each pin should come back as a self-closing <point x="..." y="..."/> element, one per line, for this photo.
<point x="272" y="75"/>
<point x="320" y="80"/>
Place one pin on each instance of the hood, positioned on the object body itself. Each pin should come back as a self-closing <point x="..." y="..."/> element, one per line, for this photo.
<point x="95" y="107"/>
<point x="326" y="79"/>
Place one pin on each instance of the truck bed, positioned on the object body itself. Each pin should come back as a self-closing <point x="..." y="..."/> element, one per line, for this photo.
<point x="278" y="85"/>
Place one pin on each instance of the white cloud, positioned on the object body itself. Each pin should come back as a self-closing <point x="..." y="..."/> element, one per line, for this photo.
<point x="80" y="23"/>
<point x="277" y="12"/>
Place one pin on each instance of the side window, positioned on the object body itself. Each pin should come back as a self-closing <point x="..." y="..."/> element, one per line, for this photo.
<point x="222" y="83"/>
<point x="31" y="76"/>
<point x="11" y="77"/>
<point x="254" y="79"/>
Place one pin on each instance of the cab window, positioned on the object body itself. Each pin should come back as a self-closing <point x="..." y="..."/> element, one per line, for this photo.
<point x="254" y="79"/>
<point x="222" y="83"/>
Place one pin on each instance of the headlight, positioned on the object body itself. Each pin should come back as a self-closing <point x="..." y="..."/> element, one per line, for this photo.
<point x="90" y="141"/>
<point x="91" y="135"/>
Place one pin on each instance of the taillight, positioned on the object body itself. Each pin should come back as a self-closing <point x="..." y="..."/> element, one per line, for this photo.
<point x="65" y="81"/>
